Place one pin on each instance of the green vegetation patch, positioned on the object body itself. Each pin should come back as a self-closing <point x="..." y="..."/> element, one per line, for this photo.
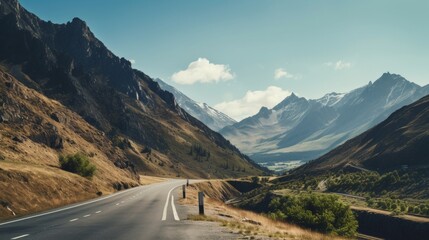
<point x="398" y="206"/>
<point x="77" y="163"/>
<point x="397" y="184"/>
<point x="323" y="213"/>
<point x="199" y="152"/>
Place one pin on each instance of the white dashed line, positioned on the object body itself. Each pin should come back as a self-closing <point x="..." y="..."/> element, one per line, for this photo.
<point x="70" y="207"/>
<point x="87" y="215"/>
<point x="22" y="236"/>
<point x="97" y="212"/>
<point x="117" y="204"/>
<point x="75" y="219"/>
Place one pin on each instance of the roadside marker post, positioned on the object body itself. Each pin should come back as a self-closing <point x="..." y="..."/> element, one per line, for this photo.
<point x="201" y="202"/>
<point x="184" y="191"/>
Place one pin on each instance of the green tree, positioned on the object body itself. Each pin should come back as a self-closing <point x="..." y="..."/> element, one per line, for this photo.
<point x="324" y="213"/>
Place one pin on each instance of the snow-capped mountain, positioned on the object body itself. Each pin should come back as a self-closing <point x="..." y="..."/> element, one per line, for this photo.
<point x="209" y="116"/>
<point x="330" y="99"/>
<point x="302" y="129"/>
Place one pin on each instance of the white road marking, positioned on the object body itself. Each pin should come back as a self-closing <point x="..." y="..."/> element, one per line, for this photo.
<point x="176" y="217"/>
<point x="67" y="208"/>
<point x="87" y="215"/>
<point x="164" y="213"/>
<point x="117" y="204"/>
<point x="75" y="219"/>
<point x="98" y="212"/>
<point x="22" y="236"/>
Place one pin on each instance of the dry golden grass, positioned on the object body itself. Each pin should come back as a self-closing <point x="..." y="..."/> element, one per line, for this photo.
<point x="31" y="188"/>
<point x="146" y="180"/>
<point x="237" y="219"/>
<point x="217" y="189"/>
<point x="30" y="177"/>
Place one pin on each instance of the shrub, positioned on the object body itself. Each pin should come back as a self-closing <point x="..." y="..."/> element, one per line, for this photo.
<point x="77" y="163"/>
<point x="264" y="180"/>
<point x="255" y="180"/>
<point x="324" y="213"/>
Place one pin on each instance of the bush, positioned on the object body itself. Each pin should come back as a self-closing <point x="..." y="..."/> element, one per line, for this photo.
<point x="323" y="213"/>
<point x="77" y="163"/>
<point x="255" y="180"/>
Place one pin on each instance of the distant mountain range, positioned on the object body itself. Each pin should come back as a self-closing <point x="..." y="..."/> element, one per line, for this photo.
<point x="398" y="142"/>
<point x="211" y="117"/>
<point x="396" y="150"/>
<point x="302" y="129"/>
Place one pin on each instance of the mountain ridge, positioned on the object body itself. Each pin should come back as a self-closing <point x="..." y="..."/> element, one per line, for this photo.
<point x="201" y="111"/>
<point x="394" y="147"/>
<point x="66" y="62"/>
<point x="304" y="129"/>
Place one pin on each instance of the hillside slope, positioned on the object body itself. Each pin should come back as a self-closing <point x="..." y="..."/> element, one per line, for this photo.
<point x="66" y="62"/>
<point x="34" y="130"/>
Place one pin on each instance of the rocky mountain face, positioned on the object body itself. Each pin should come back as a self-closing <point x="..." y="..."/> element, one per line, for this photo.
<point x="302" y="129"/>
<point x="67" y="63"/>
<point x="209" y="116"/>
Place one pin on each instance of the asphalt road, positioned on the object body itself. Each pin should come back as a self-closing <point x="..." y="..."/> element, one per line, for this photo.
<point x="145" y="212"/>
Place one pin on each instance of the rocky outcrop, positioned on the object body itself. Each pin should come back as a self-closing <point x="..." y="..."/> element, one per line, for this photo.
<point x="59" y="117"/>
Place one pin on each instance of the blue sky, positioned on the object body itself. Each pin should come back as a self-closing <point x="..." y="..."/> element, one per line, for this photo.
<point x="242" y="54"/>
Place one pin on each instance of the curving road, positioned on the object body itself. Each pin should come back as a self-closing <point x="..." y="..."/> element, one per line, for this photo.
<point x="145" y="212"/>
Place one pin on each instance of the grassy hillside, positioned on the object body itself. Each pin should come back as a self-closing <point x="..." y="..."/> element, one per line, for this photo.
<point x="34" y="131"/>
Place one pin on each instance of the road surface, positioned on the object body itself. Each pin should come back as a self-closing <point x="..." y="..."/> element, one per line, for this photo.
<point x="145" y="212"/>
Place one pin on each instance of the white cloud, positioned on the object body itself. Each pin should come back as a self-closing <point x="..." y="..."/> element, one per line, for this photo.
<point x="339" y="65"/>
<point x="252" y="101"/>
<point x="203" y="71"/>
<point x="132" y="61"/>
<point x="281" y="73"/>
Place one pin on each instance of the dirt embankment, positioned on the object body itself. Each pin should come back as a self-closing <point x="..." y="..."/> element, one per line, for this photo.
<point x="217" y="190"/>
